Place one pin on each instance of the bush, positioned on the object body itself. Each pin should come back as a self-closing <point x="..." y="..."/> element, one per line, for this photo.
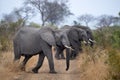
<point x="5" y="43"/>
<point x="114" y="63"/>
<point x="101" y="36"/>
<point x="115" y="39"/>
<point x="108" y="37"/>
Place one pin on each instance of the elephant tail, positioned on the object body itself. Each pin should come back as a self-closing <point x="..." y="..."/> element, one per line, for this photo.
<point x="68" y="50"/>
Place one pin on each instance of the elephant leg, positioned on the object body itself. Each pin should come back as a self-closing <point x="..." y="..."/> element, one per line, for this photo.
<point x="40" y="62"/>
<point x="80" y="49"/>
<point x="25" y="61"/>
<point x="59" y="54"/>
<point x="62" y="55"/>
<point x="75" y="52"/>
<point x="73" y="55"/>
<point x="48" y="53"/>
<point x="51" y="62"/>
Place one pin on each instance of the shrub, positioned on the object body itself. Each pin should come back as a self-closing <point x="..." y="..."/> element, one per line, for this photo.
<point x="5" y="44"/>
<point x="108" y="37"/>
<point x="101" y="36"/>
<point x="115" y="39"/>
<point x="114" y="63"/>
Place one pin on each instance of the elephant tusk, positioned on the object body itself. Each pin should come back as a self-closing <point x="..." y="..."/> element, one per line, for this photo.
<point x="88" y="42"/>
<point x="85" y="42"/>
<point x="92" y="40"/>
<point x="69" y="47"/>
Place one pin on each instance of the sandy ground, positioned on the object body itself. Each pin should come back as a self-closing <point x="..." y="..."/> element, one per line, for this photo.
<point x="80" y="69"/>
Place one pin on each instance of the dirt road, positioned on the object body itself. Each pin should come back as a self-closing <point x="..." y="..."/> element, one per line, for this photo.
<point x="79" y="69"/>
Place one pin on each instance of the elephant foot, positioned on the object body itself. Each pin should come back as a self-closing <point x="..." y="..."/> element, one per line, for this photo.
<point x="72" y="58"/>
<point x="23" y="68"/>
<point x="57" y="58"/>
<point x="34" y="71"/>
<point x="53" y="72"/>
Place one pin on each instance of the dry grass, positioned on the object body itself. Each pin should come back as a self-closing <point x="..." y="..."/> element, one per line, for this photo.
<point x="93" y="64"/>
<point x="83" y="68"/>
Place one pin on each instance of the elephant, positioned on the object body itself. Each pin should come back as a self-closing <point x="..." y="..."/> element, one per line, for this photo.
<point x="90" y="38"/>
<point x="77" y="44"/>
<point x="30" y="41"/>
<point x="63" y="42"/>
<point x="75" y="36"/>
<point x="87" y="29"/>
<point x="89" y="33"/>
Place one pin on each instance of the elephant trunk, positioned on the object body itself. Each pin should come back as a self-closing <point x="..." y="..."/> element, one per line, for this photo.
<point x="68" y="50"/>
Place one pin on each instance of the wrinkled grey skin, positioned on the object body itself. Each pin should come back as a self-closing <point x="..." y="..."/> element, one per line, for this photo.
<point x="87" y="29"/>
<point x="62" y="41"/>
<point x="76" y="44"/>
<point x="32" y="41"/>
<point x="75" y="36"/>
<point x="89" y="33"/>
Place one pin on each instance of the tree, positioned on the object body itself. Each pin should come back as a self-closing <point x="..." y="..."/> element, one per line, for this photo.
<point x="23" y="14"/>
<point x="33" y="24"/>
<point x="86" y="19"/>
<point x="50" y="11"/>
<point x="105" y="20"/>
<point x="119" y="14"/>
<point x="16" y="19"/>
<point x="76" y="23"/>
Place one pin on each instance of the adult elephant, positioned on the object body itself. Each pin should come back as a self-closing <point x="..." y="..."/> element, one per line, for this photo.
<point x="89" y="33"/>
<point x="87" y="29"/>
<point x="90" y="38"/>
<point x="75" y="36"/>
<point x="32" y="41"/>
<point x="62" y="42"/>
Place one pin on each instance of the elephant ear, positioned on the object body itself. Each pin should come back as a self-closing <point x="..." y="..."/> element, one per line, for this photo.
<point x="48" y="36"/>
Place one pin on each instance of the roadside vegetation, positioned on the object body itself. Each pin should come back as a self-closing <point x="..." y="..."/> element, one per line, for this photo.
<point x="102" y="61"/>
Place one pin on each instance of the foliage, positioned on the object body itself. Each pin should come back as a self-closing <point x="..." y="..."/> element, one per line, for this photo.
<point x="50" y="11"/>
<point x="32" y="24"/>
<point x="109" y="38"/>
<point x="105" y="20"/>
<point x="5" y="44"/>
<point x="7" y="30"/>
<point x="114" y="62"/>
<point x="115" y="38"/>
<point x="86" y="19"/>
<point x="100" y="37"/>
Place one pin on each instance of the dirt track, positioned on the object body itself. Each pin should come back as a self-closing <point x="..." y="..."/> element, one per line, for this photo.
<point x="78" y="70"/>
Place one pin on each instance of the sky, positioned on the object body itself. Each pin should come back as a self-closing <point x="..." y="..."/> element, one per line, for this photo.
<point x="77" y="7"/>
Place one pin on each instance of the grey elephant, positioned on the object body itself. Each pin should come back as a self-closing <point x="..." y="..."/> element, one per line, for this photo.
<point x="75" y="36"/>
<point x="76" y="44"/>
<point x="87" y="29"/>
<point x="89" y="33"/>
<point x="90" y="38"/>
<point x="62" y="41"/>
<point x="32" y="41"/>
